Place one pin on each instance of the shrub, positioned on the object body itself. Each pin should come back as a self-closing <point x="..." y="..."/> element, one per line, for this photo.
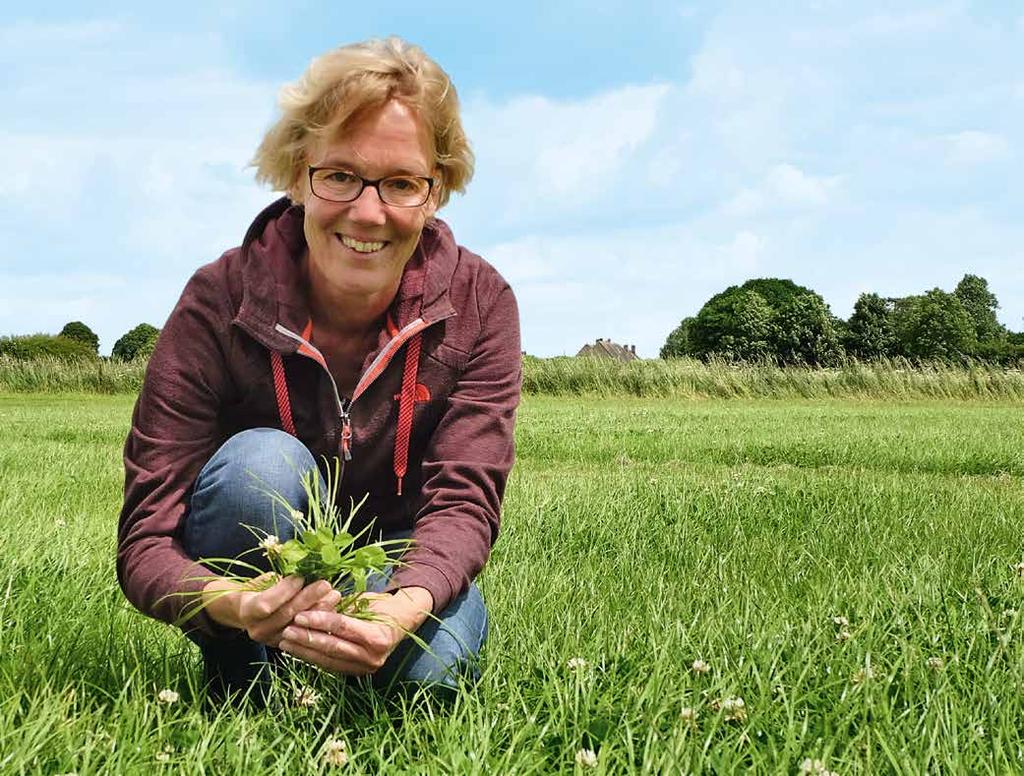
<point x="934" y="325"/>
<point x="31" y="346"/>
<point x="871" y="330"/>
<point x="678" y="343"/>
<point x="137" y="343"/>
<point x="78" y="331"/>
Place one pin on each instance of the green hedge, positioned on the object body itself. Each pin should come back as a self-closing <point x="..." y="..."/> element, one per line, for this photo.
<point x="33" y="346"/>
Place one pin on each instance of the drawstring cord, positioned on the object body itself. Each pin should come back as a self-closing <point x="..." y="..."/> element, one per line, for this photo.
<point x="405" y="407"/>
<point x="284" y="405"/>
<point x="406" y="404"/>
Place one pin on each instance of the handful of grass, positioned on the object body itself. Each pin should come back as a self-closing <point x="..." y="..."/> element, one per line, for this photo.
<point x="322" y="547"/>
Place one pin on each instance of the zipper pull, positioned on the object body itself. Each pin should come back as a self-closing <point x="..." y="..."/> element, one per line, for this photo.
<point x="346" y="433"/>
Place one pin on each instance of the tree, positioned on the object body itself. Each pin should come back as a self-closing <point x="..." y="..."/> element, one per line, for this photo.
<point x="746" y="330"/>
<point x="79" y="332"/>
<point x="981" y="306"/>
<point x="137" y="343"/>
<point x="678" y="343"/>
<point x="781" y="320"/>
<point x="714" y="329"/>
<point x="807" y="332"/>
<point x="934" y="325"/>
<point x="871" y="330"/>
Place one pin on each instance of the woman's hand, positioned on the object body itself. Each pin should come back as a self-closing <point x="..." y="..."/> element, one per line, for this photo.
<point x="348" y="645"/>
<point x="265" y="614"/>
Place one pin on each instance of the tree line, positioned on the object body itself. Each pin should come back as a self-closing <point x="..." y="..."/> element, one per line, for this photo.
<point x="76" y="341"/>
<point x="778" y="320"/>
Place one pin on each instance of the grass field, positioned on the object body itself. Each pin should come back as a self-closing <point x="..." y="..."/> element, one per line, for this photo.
<point x="639" y="535"/>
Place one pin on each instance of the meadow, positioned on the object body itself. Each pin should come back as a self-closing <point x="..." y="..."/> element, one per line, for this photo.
<point x="848" y="567"/>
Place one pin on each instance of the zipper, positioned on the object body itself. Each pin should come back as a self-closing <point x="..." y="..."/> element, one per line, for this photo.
<point x="346" y="431"/>
<point x="373" y="371"/>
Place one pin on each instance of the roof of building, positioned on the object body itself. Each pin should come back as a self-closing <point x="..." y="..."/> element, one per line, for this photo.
<point x="605" y="348"/>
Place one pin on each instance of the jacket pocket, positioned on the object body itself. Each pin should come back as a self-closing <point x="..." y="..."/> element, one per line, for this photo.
<point x="453" y="358"/>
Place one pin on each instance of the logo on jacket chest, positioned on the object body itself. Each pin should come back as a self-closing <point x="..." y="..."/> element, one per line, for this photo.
<point x="422" y="394"/>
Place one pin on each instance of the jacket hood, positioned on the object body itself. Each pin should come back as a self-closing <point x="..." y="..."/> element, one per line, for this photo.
<point x="272" y="293"/>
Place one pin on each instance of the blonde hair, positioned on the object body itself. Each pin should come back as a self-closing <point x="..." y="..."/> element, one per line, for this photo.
<point x="341" y="84"/>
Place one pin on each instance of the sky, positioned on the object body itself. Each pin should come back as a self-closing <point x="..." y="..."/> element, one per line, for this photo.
<point x="633" y="158"/>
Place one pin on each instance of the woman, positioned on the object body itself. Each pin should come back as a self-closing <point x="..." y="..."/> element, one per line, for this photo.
<point x="348" y="324"/>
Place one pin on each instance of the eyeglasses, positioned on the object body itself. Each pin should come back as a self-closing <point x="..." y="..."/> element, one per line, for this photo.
<point x="336" y="185"/>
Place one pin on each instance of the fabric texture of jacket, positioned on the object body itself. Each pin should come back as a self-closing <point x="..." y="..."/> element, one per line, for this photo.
<point x="448" y="361"/>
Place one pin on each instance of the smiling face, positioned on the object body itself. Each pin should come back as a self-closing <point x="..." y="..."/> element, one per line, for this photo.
<point x="360" y="248"/>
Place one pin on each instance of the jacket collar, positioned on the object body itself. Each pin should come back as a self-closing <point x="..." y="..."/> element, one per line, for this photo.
<point x="271" y="289"/>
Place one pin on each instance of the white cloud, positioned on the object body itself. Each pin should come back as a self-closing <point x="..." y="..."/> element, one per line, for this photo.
<point x="785" y="186"/>
<point x="28" y="37"/>
<point x="974" y="147"/>
<point x="541" y="155"/>
<point x="913" y="22"/>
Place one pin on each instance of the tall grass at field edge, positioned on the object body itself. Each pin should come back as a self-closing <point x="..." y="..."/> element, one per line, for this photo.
<point x="895" y="379"/>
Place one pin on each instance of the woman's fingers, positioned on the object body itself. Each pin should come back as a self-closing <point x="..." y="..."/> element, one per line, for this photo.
<point x="271" y="611"/>
<point x="324" y="660"/>
<point x="329" y="602"/>
<point x="264" y="604"/>
<point x="328" y="651"/>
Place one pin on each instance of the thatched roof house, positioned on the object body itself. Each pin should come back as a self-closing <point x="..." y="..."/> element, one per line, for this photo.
<point x="605" y="348"/>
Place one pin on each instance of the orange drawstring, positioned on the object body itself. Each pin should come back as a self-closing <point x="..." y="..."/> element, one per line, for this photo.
<point x="406" y="402"/>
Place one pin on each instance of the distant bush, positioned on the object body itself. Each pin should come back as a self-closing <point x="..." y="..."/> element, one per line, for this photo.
<point x="895" y="379"/>
<point x="137" y="343"/>
<point x="32" y="346"/>
<point x="47" y="374"/>
<point x="77" y="330"/>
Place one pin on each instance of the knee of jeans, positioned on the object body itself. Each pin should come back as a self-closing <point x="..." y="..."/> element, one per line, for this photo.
<point x="452" y="653"/>
<point x="245" y="485"/>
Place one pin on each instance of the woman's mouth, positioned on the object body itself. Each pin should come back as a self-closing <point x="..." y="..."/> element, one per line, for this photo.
<point x="359" y="246"/>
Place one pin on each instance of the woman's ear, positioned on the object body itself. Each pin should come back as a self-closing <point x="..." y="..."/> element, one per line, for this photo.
<point x="431" y="204"/>
<point x="297" y="191"/>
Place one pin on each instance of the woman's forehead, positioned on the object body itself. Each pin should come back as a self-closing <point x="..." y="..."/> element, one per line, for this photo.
<point x="392" y="136"/>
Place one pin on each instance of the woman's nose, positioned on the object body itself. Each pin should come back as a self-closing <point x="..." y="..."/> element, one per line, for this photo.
<point x="368" y="207"/>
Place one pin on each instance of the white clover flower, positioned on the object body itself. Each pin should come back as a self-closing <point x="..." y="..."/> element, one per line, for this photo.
<point x="840" y="621"/>
<point x="1018" y="568"/>
<point x="688" y="716"/>
<point x="843" y="635"/>
<point x="297" y="515"/>
<point x="306" y="697"/>
<point x="163" y="757"/>
<point x="271" y="545"/>
<point x="979" y="731"/>
<point x="811" y="767"/>
<point x="586" y="758"/>
<point x="167" y="696"/>
<point x="576" y="664"/>
<point x="862" y="675"/>
<point x="936" y="663"/>
<point x="700" y="667"/>
<point x="734" y="709"/>
<point x="60" y="522"/>
<point x="335" y="752"/>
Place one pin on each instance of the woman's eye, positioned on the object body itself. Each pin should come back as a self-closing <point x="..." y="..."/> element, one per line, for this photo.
<point x="401" y="184"/>
<point x="341" y="177"/>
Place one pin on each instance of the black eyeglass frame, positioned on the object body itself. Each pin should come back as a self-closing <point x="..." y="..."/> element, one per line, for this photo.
<point x="374" y="184"/>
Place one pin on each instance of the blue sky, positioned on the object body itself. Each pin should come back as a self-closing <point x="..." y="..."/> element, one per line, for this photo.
<point x="632" y="158"/>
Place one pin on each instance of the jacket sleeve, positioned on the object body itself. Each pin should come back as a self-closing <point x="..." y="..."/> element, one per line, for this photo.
<point x="467" y="462"/>
<point x="174" y="432"/>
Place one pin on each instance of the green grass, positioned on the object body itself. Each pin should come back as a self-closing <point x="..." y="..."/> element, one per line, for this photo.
<point x="639" y="535"/>
<point x="894" y="380"/>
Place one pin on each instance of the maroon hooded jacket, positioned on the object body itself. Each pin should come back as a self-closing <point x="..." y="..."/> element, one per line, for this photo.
<point x="449" y="360"/>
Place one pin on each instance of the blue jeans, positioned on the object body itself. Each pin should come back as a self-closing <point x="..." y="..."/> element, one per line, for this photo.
<point x="230" y="493"/>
